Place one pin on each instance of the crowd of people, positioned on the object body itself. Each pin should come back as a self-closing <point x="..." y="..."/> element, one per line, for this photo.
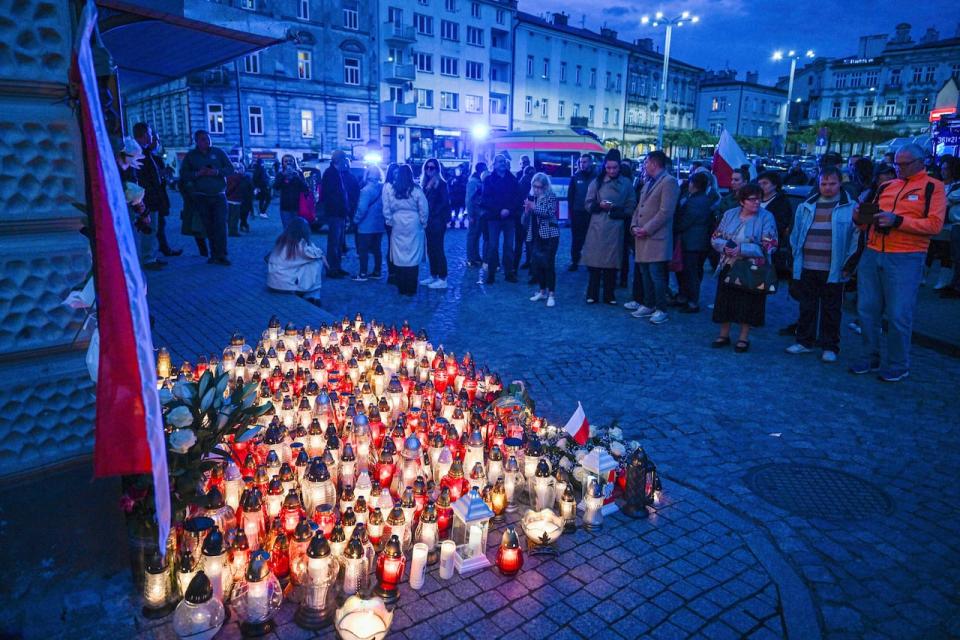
<point x="869" y="231"/>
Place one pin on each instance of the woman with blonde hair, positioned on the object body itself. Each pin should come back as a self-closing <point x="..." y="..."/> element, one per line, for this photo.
<point x="543" y="236"/>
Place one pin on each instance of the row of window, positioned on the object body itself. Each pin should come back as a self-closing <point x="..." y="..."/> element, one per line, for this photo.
<point x="543" y="107"/>
<point x="448" y="30"/>
<point x="719" y="104"/>
<point x="450" y="101"/>
<point x="476" y="9"/>
<point x="610" y="85"/>
<point x="351" y="66"/>
<point x="216" y="124"/>
<point x="914" y="107"/>
<point x="871" y="77"/>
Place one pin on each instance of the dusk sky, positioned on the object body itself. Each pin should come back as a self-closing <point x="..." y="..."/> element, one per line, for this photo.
<point x="742" y="34"/>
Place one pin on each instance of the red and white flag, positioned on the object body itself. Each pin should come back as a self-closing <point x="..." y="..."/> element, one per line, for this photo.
<point x="726" y="158"/>
<point x="577" y="426"/>
<point x="129" y="437"/>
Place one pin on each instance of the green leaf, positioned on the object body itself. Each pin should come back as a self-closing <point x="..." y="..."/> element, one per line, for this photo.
<point x="222" y="383"/>
<point x="207" y="400"/>
<point x="262" y="409"/>
<point x="205" y="381"/>
<point x="248" y="434"/>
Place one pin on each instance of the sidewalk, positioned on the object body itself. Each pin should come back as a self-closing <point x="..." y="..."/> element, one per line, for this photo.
<point x="936" y="323"/>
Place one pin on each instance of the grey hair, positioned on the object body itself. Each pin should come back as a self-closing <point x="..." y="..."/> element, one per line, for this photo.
<point x="915" y="151"/>
<point x="544" y="179"/>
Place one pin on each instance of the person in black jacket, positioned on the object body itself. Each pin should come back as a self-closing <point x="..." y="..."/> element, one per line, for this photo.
<point x="521" y="232"/>
<point x="577" y="209"/>
<point x="692" y="227"/>
<point x="775" y="201"/>
<point x="203" y="174"/>
<point x="500" y="204"/>
<point x="336" y="208"/>
<point x="290" y="184"/>
<point x="261" y="182"/>
<point x="438" y="203"/>
<point x="152" y="176"/>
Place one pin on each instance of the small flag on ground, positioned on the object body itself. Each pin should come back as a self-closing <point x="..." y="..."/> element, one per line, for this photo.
<point x="577" y="426"/>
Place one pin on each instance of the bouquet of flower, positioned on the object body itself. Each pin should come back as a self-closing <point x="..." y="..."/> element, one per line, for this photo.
<point x="565" y="452"/>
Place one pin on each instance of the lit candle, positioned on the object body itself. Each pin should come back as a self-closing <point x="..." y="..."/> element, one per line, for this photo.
<point x="473" y="543"/>
<point x="418" y="566"/>
<point x="447" y="550"/>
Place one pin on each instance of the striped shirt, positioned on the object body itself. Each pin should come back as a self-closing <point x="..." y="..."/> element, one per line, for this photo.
<point x="817" y="248"/>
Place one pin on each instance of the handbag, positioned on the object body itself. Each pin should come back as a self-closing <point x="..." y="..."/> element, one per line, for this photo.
<point x="676" y="262"/>
<point x="307" y="209"/>
<point x="746" y="276"/>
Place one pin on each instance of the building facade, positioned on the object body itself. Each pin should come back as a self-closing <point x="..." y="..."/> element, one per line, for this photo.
<point x="446" y="72"/>
<point x="643" y="96"/>
<point x="308" y="97"/>
<point x="742" y="107"/>
<point x="891" y="82"/>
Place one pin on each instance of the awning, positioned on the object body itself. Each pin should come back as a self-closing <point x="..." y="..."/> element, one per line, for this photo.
<point x="153" y="45"/>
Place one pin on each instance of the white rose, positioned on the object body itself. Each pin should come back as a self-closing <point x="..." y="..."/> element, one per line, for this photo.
<point x="562" y="443"/>
<point x="566" y="463"/>
<point x="182" y="439"/>
<point x="183" y="391"/>
<point x="616" y="433"/>
<point x="617" y="449"/>
<point x="580" y="474"/>
<point x="593" y="431"/>
<point x="579" y="454"/>
<point x="180" y="417"/>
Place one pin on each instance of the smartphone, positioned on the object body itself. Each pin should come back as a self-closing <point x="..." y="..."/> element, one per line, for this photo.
<point x="866" y="212"/>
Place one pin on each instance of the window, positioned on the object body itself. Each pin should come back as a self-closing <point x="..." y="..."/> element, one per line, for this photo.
<point x="474" y="70"/>
<point x="475" y="9"/>
<point x="930" y="75"/>
<point x="577" y="77"/>
<point x="450" y="30"/>
<point x="215" y="118"/>
<point x="499" y="74"/>
<point x="590" y="113"/>
<point x="619" y="82"/>
<point x="529" y="66"/>
<point x="593" y="78"/>
<point x="304" y="65"/>
<point x="528" y="106"/>
<point x="248" y="4"/>
<point x="873" y="78"/>
<point x="501" y="16"/>
<point x="251" y="63"/>
<point x="606" y="115"/>
<point x="425" y="98"/>
<point x="423" y="62"/>
<point x="576" y="110"/>
<point x="353" y="126"/>
<point x="609" y="83"/>
<point x="563" y="72"/>
<point x="424" y="24"/>
<point x="449" y="101"/>
<point x="561" y="108"/>
<point x="895" y="76"/>
<point x="306" y="123"/>
<point x="396" y="94"/>
<point x="856" y="79"/>
<point x="718" y="104"/>
<point x="912" y="106"/>
<point x="473" y="104"/>
<point x="839" y="80"/>
<point x="450" y="5"/>
<point x="890" y="108"/>
<point x="395" y="55"/>
<point x="616" y="117"/>
<point x="303" y="9"/>
<point x="351" y="71"/>
<point x="716" y="128"/>
<point x="643" y="86"/>
<point x="546" y="68"/>
<point x="917" y="74"/>
<point x="255" y="120"/>
<point x="868" y="109"/>
<point x="852" y="109"/>
<point x="449" y="66"/>
<point x="395" y="15"/>
<point x="475" y="36"/>
<point x="498" y="103"/>
<point x="351" y="19"/>
<point x="544" y="108"/>
<point x="836" y="109"/>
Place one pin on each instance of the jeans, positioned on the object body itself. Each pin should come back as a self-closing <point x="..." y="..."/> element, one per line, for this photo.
<point x="887" y="286"/>
<point x="543" y="262"/>
<point x="579" y="223"/>
<point x="654" y="284"/>
<point x="367" y="244"/>
<point x="147" y="243"/>
<point x="335" y="229"/>
<point x="609" y="278"/>
<point x="286" y="217"/>
<point x="213" y="213"/>
<point x="473" y="238"/>
<point x="817" y="296"/>
<point x="495" y="227"/>
<point x="691" y="276"/>
<point x="435" y="251"/>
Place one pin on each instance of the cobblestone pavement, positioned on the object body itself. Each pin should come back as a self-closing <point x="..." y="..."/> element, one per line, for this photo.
<point x="833" y="557"/>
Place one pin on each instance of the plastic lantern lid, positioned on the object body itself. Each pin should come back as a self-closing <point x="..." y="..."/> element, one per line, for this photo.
<point x="598" y="461"/>
<point x="319" y="547"/>
<point x="259" y="568"/>
<point x="471" y="507"/>
<point x="200" y="590"/>
<point x="213" y="545"/>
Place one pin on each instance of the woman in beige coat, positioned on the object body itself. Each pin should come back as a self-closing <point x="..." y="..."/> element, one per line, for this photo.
<point x="610" y="200"/>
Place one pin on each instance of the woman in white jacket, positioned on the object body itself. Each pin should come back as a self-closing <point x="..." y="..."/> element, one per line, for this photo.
<point x="406" y="211"/>
<point x="295" y="264"/>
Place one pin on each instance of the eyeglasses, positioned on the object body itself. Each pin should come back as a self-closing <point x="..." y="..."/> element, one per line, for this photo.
<point x="907" y="163"/>
<point x="430" y="168"/>
<point x="752" y="199"/>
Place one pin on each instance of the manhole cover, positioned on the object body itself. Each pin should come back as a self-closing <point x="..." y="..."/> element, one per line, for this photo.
<point x="818" y="492"/>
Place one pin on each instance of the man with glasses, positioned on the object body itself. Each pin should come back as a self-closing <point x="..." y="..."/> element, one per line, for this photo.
<point x="500" y="204"/>
<point x="911" y="210"/>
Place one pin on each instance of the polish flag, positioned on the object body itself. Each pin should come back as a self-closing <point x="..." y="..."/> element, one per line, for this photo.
<point x="726" y="158"/>
<point x="129" y="436"/>
<point x="577" y="426"/>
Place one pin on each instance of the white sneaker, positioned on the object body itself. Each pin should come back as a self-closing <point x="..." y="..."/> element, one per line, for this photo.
<point x="797" y="349"/>
<point x="943" y="280"/>
<point x="642" y="312"/>
<point x="829" y="356"/>
<point x="658" y="317"/>
<point x="539" y="295"/>
<point x="551" y="302"/>
<point x="439" y="283"/>
<point x="633" y="305"/>
<point x="427" y="281"/>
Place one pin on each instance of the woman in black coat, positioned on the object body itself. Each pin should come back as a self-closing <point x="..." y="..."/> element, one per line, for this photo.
<point x="775" y="201"/>
<point x="438" y="201"/>
<point x="693" y="225"/>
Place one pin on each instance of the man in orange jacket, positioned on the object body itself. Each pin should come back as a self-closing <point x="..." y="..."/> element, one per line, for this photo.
<point x="912" y="209"/>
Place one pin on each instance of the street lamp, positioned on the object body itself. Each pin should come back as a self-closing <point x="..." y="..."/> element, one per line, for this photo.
<point x="794" y="56"/>
<point x="660" y="19"/>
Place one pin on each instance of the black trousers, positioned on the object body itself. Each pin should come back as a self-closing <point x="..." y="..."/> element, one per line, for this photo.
<point x="406" y="279"/>
<point x="691" y="276"/>
<point x="629" y="246"/>
<point x="390" y="267"/>
<point x="263" y="200"/>
<point x="543" y="262"/>
<point x="435" y="251"/>
<point x="609" y="278"/>
<point x="162" y="232"/>
<point x="636" y="293"/>
<point x="370" y="244"/>
<point x="519" y="242"/>
<point x="495" y="227"/>
<point x="819" y="297"/>
<point x="213" y="213"/>
<point x="579" y="223"/>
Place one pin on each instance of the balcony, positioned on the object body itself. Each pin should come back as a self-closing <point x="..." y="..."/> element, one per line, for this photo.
<point x="500" y="86"/>
<point x="501" y="54"/>
<point x="398" y="111"/>
<point x="398" y="34"/>
<point x="396" y="73"/>
<point x="886" y="119"/>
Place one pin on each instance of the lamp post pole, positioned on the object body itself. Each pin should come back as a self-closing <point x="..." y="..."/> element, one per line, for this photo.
<point x="785" y="117"/>
<point x="669" y="23"/>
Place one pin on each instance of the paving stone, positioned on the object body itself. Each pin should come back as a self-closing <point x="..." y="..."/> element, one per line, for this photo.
<point x="587" y="624"/>
<point x="609" y="611"/>
<point x="528" y="607"/>
<point x="491" y="601"/>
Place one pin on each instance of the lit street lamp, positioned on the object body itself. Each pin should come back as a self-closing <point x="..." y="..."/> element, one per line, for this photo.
<point x="794" y="56"/>
<point x="669" y="23"/>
